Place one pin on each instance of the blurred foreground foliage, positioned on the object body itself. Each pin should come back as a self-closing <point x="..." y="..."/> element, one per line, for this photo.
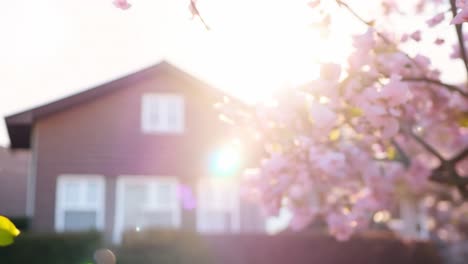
<point x="51" y="249"/>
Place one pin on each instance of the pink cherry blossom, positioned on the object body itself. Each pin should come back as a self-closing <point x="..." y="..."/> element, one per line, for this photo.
<point x="439" y="41"/>
<point x="396" y="92"/>
<point x="364" y="42"/>
<point x="389" y="6"/>
<point x="461" y="17"/>
<point x="276" y="163"/>
<point x="330" y="71"/>
<point x="416" y="35"/>
<point x="418" y="175"/>
<point x="314" y="3"/>
<point x="193" y="8"/>
<point x="322" y="116"/>
<point x="456" y="54"/>
<point x="437" y="19"/>
<point x="390" y="128"/>
<point x="333" y="163"/>
<point x="404" y="38"/>
<point x="122" y="4"/>
<point x="297" y="191"/>
<point x="340" y="226"/>
<point x="458" y="102"/>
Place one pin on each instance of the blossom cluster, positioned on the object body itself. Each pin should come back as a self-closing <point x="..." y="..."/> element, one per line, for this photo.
<point x="352" y="142"/>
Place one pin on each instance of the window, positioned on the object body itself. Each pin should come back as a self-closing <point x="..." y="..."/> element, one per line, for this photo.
<point x="218" y="206"/>
<point x="162" y="113"/>
<point x="146" y="202"/>
<point x="79" y="203"/>
<point x="408" y="218"/>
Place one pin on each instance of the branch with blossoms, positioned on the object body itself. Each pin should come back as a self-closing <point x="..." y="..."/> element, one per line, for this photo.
<point x="458" y="19"/>
<point x="370" y="24"/>
<point x="193" y="8"/>
<point x="450" y="87"/>
<point x="447" y="165"/>
<point x="195" y="13"/>
<point x="360" y="164"/>
<point x="460" y="156"/>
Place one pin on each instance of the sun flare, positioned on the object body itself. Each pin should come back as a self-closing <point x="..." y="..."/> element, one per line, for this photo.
<point x="271" y="45"/>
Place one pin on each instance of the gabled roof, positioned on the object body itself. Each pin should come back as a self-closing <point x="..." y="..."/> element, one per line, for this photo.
<point x="20" y="125"/>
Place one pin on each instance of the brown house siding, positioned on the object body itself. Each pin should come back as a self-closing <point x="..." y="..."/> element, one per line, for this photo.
<point x="13" y="182"/>
<point x="103" y="136"/>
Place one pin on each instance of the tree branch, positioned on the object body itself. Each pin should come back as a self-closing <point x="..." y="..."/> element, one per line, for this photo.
<point x="450" y="87"/>
<point x="460" y="156"/>
<point x="423" y="143"/>
<point x="447" y="174"/>
<point x="459" y="30"/>
<point x="195" y="12"/>
<point x="439" y="178"/>
<point x="401" y="153"/>
<point x="367" y="23"/>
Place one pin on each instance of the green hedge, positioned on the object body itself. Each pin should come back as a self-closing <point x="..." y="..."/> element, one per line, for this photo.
<point x="77" y="248"/>
<point x="22" y="223"/>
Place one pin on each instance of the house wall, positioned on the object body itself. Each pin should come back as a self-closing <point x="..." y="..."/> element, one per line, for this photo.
<point x="13" y="182"/>
<point x="103" y="136"/>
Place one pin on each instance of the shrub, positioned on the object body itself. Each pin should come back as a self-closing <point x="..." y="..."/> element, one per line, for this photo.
<point x="67" y="248"/>
<point x="22" y="223"/>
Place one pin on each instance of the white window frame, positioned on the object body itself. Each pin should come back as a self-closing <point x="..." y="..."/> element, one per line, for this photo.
<point x="163" y="102"/>
<point x="60" y="204"/>
<point x="411" y="216"/>
<point x="152" y="181"/>
<point x="232" y="206"/>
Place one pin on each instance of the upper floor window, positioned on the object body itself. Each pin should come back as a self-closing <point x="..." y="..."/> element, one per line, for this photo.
<point x="79" y="203"/>
<point x="163" y="113"/>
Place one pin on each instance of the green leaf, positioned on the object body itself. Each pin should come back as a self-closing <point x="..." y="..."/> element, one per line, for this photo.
<point x="8" y="231"/>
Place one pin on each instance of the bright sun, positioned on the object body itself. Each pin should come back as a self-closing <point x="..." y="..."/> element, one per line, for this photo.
<point x="270" y="45"/>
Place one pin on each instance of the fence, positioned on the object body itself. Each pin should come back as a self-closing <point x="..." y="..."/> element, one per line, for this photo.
<point x="300" y="248"/>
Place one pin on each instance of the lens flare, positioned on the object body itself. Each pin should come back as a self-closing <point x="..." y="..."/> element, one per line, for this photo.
<point x="226" y="162"/>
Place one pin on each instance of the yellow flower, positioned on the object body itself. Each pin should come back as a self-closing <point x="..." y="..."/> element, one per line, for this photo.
<point x="463" y="120"/>
<point x="391" y="153"/>
<point x="8" y="231"/>
<point x="334" y="135"/>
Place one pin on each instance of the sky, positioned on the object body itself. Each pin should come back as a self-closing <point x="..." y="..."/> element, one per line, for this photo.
<point x="50" y="49"/>
<point x="53" y="48"/>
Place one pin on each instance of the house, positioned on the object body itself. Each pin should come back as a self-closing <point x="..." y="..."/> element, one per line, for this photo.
<point x="116" y="157"/>
<point x="13" y="182"/>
